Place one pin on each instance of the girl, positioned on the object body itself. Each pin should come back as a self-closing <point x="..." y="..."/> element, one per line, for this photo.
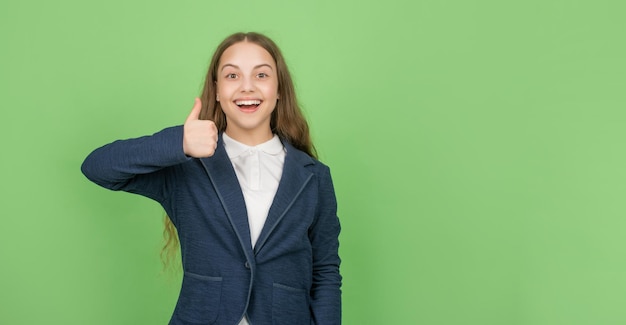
<point x="254" y="210"/>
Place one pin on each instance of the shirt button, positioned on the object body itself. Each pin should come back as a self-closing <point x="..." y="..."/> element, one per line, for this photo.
<point x="247" y="265"/>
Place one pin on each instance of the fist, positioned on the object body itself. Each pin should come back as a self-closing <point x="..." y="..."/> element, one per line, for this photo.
<point x="199" y="136"/>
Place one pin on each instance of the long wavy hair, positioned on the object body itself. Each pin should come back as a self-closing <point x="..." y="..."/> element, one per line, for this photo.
<point x="287" y="120"/>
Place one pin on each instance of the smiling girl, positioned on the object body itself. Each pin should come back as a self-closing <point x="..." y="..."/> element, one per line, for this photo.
<point x="254" y="210"/>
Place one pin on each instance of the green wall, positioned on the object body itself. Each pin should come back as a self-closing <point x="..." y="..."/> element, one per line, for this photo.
<point x="477" y="149"/>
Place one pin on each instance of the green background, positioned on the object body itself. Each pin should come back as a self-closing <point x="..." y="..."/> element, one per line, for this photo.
<point x="477" y="149"/>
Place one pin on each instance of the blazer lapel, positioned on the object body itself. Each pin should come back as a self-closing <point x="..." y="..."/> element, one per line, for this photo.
<point x="224" y="180"/>
<point x="293" y="180"/>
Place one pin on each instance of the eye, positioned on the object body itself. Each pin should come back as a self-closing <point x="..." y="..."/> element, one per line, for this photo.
<point x="262" y="75"/>
<point x="231" y="76"/>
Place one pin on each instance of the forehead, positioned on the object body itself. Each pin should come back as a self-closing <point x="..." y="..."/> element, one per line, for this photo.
<point x="246" y="55"/>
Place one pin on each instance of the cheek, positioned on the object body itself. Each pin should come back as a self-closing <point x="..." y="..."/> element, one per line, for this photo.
<point x="225" y="87"/>
<point x="270" y="90"/>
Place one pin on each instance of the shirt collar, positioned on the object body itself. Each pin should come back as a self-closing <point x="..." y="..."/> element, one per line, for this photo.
<point x="235" y="148"/>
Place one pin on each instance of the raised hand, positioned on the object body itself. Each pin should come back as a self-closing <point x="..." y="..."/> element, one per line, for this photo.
<point x="199" y="136"/>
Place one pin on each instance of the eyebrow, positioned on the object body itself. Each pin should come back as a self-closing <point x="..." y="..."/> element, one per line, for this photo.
<point x="255" y="67"/>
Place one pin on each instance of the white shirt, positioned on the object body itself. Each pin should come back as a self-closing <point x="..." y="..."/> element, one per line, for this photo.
<point x="258" y="170"/>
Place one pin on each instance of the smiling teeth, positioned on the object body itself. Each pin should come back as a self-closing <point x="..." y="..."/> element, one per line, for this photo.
<point x="248" y="102"/>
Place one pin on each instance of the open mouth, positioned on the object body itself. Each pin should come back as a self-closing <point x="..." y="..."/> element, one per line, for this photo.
<point x="248" y="104"/>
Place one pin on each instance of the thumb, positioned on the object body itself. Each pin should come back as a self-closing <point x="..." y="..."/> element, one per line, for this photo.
<point x="195" y="111"/>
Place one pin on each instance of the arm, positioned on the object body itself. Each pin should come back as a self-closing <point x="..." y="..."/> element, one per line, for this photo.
<point x="137" y="165"/>
<point x="324" y="236"/>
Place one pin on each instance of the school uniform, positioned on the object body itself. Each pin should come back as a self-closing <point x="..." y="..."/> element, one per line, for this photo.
<point x="288" y="275"/>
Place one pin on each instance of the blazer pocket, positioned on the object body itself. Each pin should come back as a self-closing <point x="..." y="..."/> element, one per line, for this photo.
<point x="199" y="300"/>
<point x="290" y="305"/>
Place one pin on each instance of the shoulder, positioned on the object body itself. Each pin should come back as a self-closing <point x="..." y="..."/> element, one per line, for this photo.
<point x="302" y="158"/>
<point x="308" y="164"/>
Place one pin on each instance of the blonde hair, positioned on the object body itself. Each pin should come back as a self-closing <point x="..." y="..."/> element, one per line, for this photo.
<point x="287" y="120"/>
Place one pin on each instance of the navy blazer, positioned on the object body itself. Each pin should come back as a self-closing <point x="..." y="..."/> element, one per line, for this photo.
<point x="290" y="277"/>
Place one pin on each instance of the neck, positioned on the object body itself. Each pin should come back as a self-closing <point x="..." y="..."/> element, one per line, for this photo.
<point x="250" y="138"/>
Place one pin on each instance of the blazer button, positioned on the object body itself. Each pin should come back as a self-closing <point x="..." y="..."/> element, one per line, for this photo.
<point x="247" y="265"/>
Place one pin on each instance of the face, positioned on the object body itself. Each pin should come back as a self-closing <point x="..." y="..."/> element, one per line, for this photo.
<point x="247" y="89"/>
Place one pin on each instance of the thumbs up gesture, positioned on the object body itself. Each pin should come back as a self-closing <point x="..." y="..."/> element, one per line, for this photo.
<point x="199" y="136"/>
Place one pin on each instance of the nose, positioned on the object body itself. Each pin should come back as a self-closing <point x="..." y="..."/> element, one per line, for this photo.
<point x="247" y="84"/>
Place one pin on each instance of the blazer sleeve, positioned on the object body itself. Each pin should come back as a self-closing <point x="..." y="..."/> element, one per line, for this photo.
<point x="138" y="165"/>
<point x="324" y="236"/>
